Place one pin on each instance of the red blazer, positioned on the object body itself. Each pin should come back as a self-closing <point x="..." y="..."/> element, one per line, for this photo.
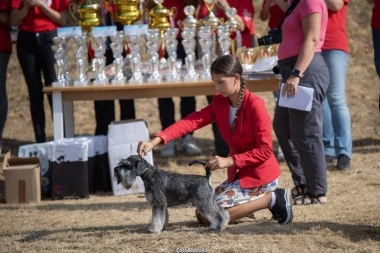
<point x="250" y="143"/>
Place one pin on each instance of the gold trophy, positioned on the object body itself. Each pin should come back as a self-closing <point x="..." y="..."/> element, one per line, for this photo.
<point x="160" y="16"/>
<point x="211" y="19"/>
<point x="89" y="14"/>
<point x="127" y="11"/>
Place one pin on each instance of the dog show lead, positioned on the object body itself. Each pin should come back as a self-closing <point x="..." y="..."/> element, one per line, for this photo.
<point x="244" y="123"/>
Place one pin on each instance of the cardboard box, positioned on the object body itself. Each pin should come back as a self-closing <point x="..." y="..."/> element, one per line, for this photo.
<point x="22" y="179"/>
<point x="123" y="138"/>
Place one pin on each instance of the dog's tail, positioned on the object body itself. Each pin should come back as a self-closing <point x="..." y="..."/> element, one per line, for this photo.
<point x="208" y="170"/>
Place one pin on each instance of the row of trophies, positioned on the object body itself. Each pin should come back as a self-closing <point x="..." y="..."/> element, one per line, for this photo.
<point x="213" y="32"/>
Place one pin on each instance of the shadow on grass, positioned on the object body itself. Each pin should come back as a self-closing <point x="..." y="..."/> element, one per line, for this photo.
<point x="355" y="233"/>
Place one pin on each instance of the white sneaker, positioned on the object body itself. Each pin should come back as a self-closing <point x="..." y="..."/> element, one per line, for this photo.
<point x="168" y="150"/>
<point x="189" y="146"/>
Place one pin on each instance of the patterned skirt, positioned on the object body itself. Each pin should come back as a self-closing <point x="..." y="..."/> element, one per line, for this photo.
<point x="229" y="195"/>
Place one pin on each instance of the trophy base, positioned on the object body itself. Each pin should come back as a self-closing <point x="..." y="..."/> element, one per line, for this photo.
<point x="100" y="82"/>
<point x="173" y="78"/>
<point x="119" y="82"/>
<point x="155" y="79"/>
<point x="136" y="80"/>
<point x="80" y="83"/>
<point x="58" y="84"/>
<point x="191" y="78"/>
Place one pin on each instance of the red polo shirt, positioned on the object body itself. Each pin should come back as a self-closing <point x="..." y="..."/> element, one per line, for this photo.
<point x="275" y="15"/>
<point x="376" y="15"/>
<point x="245" y="10"/>
<point x="5" y="35"/>
<point x="336" y="33"/>
<point x="36" y="20"/>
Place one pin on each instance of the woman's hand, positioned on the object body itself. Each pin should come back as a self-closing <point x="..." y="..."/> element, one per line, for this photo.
<point x="290" y="86"/>
<point x="144" y="148"/>
<point x="218" y="162"/>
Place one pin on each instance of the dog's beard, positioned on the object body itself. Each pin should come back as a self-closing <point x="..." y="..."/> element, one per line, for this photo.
<point x="128" y="177"/>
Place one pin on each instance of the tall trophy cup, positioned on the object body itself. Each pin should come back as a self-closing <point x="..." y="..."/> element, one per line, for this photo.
<point x="134" y="45"/>
<point x="80" y="48"/>
<point x="171" y="44"/>
<point x="212" y="21"/>
<point x="59" y="55"/>
<point x="152" y="43"/>
<point x="188" y="42"/>
<point x="224" y="39"/>
<point x="117" y="49"/>
<point x="205" y="35"/>
<point x="99" y="46"/>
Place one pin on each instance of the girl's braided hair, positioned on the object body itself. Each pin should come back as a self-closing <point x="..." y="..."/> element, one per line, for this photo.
<point x="229" y="66"/>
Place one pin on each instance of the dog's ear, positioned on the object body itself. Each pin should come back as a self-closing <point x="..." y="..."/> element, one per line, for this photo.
<point x="140" y="165"/>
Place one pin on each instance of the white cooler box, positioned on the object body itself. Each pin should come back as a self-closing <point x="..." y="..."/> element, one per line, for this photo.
<point x="123" y="138"/>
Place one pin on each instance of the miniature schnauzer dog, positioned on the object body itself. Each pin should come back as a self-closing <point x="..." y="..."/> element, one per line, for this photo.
<point x="164" y="189"/>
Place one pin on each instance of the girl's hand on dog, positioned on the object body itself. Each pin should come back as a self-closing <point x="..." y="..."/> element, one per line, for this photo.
<point x="144" y="148"/>
<point x="218" y="162"/>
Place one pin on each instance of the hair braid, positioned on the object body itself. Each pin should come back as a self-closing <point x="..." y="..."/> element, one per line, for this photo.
<point x="241" y="98"/>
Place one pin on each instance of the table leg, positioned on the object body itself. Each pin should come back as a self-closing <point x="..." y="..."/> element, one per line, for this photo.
<point x="68" y="117"/>
<point x="57" y="115"/>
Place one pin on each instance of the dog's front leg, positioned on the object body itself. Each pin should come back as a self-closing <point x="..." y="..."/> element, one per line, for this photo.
<point x="158" y="219"/>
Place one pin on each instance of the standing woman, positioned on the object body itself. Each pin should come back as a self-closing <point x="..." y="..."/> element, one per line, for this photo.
<point x="38" y="21"/>
<point x="5" y="52"/>
<point x="299" y="133"/>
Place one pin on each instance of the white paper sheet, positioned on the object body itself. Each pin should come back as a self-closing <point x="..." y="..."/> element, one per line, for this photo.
<point x="303" y="99"/>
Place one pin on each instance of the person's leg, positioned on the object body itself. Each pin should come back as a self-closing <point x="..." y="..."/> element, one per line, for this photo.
<point x="376" y="47"/>
<point x="221" y="146"/>
<point x="281" y="128"/>
<point x="127" y="109"/>
<point x="337" y="62"/>
<point x="166" y="111"/>
<point x="189" y="145"/>
<point x="328" y="131"/>
<point x="47" y="60"/>
<point x="104" y="115"/>
<point x="306" y="129"/>
<point x="4" y="59"/>
<point x="27" y="50"/>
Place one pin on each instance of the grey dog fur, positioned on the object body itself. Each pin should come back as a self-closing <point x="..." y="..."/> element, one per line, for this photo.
<point x="164" y="189"/>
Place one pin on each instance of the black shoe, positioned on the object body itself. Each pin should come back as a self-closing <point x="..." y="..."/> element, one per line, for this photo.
<point x="282" y="210"/>
<point x="344" y="162"/>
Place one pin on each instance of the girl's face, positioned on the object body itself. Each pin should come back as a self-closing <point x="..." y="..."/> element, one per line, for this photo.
<point x="226" y="85"/>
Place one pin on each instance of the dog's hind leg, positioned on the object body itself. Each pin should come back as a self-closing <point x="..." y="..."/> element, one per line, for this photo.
<point x="166" y="219"/>
<point x="158" y="219"/>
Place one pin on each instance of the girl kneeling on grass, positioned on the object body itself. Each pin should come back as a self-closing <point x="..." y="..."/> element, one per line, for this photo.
<point x="243" y="121"/>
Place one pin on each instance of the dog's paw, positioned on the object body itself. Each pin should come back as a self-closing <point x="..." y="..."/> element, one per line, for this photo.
<point x="154" y="230"/>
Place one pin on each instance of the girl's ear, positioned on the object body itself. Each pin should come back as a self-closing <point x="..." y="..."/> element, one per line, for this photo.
<point x="237" y="77"/>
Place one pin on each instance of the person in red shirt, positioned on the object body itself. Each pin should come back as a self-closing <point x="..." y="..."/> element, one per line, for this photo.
<point x="188" y="104"/>
<point x="5" y="52"/>
<point x="337" y="138"/>
<point x="244" y="123"/>
<point x="375" y="24"/>
<point x="37" y="21"/>
<point x="244" y="16"/>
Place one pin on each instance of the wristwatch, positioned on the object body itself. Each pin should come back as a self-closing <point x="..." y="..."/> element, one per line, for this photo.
<point x="297" y="73"/>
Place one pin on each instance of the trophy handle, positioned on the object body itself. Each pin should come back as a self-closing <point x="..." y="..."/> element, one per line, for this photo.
<point x="73" y="9"/>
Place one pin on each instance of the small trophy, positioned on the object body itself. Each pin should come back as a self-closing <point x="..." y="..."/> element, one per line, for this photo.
<point x="117" y="47"/>
<point x="224" y="39"/>
<point x="152" y="43"/>
<point x="80" y="48"/>
<point x="205" y="35"/>
<point x="127" y="11"/>
<point x="234" y="27"/>
<point x="190" y="21"/>
<point x="171" y="44"/>
<point x="99" y="46"/>
<point x="59" y="55"/>
<point x="188" y="42"/>
<point x="134" y="45"/>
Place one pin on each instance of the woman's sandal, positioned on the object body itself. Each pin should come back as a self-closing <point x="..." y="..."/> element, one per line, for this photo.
<point x="309" y="199"/>
<point x="298" y="191"/>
